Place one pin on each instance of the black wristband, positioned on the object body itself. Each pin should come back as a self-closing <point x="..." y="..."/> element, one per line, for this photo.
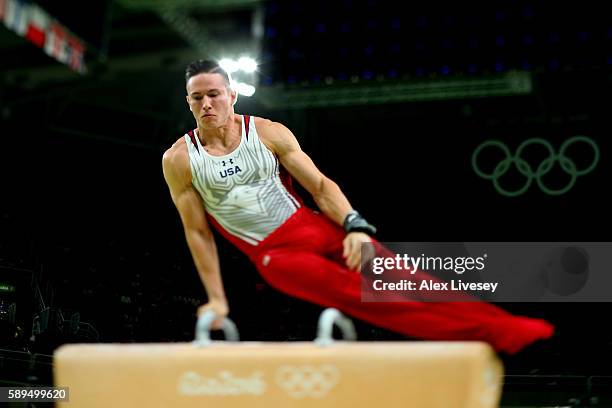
<point x="354" y="222"/>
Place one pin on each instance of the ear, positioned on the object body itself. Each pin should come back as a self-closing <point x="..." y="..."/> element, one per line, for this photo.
<point x="234" y="96"/>
<point x="187" y="99"/>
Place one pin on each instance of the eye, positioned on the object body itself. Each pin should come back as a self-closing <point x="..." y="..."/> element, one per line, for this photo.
<point x="197" y="97"/>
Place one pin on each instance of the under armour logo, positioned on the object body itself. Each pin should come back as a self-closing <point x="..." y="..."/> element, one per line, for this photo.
<point x="231" y="161"/>
<point x="307" y="381"/>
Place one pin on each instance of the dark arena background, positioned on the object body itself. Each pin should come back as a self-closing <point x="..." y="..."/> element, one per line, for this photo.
<point x="391" y="101"/>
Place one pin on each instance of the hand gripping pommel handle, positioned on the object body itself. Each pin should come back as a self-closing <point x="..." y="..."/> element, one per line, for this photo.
<point x="325" y="328"/>
<point x="203" y="327"/>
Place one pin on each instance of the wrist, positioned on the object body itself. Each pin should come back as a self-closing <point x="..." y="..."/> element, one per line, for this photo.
<point x="221" y="301"/>
<point x="354" y="222"/>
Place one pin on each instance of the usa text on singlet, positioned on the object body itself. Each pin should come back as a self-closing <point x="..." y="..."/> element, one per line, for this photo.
<point x="242" y="190"/>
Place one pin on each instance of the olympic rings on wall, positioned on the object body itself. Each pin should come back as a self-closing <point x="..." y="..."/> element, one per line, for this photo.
<point x="541" y="169"/>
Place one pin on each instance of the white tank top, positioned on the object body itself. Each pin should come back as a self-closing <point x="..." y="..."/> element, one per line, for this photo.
<point x="242" y="190"/>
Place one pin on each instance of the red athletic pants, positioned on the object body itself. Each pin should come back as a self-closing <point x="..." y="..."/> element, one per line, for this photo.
<point x="303" y="258"/>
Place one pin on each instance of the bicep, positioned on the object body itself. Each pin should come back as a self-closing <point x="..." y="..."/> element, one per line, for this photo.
<point x="186" y="199"/>
<point x="286" y="147"/>
<point x="191" y="210"/>
<point x="303" y="169"/>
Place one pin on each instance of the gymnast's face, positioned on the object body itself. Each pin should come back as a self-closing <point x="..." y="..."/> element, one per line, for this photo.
<point x="210" y="100"/>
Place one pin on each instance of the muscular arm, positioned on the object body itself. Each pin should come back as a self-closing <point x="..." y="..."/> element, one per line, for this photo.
<point x="199" y="237"/>
<point x="325" y="192"/>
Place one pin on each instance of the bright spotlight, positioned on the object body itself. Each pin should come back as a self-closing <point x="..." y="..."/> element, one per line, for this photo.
<point x="247" y="64"/>
<point x="244" y="89"/>
<point x="229" y="65"/>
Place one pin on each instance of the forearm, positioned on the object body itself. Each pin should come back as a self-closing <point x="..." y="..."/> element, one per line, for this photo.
<point x="332" y="201"/>
<point x="206" y="259"/>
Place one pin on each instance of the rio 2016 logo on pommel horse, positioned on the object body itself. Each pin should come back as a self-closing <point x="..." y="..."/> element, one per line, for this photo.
<point x="541" y="169"/>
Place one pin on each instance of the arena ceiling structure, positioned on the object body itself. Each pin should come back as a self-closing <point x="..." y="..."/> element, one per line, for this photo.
<point x="313" y="54"/>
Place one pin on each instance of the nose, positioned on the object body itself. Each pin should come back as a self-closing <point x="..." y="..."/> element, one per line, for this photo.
<point x="206" y="103"/>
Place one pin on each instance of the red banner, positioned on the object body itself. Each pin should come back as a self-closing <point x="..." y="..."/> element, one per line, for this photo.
<point x="37" y="26"/>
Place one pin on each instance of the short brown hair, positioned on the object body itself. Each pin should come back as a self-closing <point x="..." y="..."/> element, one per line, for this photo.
<point x="206" y="66"/>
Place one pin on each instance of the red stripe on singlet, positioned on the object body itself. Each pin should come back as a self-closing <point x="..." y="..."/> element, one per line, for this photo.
<point x="287" y="181"/>
<point x="193" y="140"/>
<point x="247" y="120"/>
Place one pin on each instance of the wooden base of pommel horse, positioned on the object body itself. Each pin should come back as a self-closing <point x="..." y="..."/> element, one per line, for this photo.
<point x="324" y="373"/>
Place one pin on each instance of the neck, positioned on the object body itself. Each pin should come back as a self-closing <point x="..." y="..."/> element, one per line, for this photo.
<point x="218" y="136"/>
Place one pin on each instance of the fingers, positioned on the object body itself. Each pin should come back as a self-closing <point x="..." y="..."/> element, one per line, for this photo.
<point x="220" y="313"/>
<point x="346" y="247"/>
<point x="354" y="258"/>
<point x="217" y="324"/>
<point x="367" y="253"/>
<point x="352" y="249"/>
<point x="352" y="253"/>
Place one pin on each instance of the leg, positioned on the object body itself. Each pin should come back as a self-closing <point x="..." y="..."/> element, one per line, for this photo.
<point x="312" y="277"/>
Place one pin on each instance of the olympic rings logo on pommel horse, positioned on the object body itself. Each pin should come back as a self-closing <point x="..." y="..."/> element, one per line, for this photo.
<point x="543" y="168"/>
